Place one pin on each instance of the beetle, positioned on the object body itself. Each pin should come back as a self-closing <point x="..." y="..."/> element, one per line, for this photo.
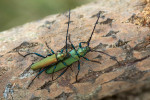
<point x="56" y="62"/>
<point x="75" y="55"/>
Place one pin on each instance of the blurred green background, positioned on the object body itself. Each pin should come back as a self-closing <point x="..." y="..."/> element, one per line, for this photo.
<point x="18" y="12"/>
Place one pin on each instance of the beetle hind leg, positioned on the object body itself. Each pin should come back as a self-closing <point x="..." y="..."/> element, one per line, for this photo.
<point x="30" y="54"/>
<point x="92" y="60"/>
<point x="111" y="57"/>
<point x="78" y="71"/>
<point x="37" y="75"/>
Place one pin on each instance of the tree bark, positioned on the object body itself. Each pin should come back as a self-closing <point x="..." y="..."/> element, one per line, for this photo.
<point x="123" y="31"/>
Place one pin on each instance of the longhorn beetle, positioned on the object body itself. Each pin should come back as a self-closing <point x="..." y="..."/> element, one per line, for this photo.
<point x="57" y="61"/>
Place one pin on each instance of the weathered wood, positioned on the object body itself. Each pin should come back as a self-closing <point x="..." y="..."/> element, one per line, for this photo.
<point x="123" y="31"/>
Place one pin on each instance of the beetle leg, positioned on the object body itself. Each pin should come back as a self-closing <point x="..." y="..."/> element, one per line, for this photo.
<point x="92" y="60"/>
<point x="49" y="54"/>
<point x="32" y="53"/>
<point x="39" y="71"/>
<point x="80" y="45"/>
<point x="62" y="50"/>
<point x="37" y="76"/>
<point x="49" y="48"/>
<point x="62" y="73"/>
<point x="78" y="71"/>
<point x="111" y="57"/>
<point x="71" y="69"/>
<point x="67" y="66"/>
<point x="53" y="73"/>
<point x="27" y="69"/>
<point x="39" y="55"/>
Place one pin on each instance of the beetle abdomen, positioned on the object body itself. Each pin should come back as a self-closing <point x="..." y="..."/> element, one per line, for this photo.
<point x="45" y="62"/>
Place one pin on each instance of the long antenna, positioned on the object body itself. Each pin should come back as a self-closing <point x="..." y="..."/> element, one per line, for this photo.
<point x="67" y="31"/>
<point x="98" y="15"/>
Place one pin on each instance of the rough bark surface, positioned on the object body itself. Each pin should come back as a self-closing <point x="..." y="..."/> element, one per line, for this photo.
<point x="123" y="31"/>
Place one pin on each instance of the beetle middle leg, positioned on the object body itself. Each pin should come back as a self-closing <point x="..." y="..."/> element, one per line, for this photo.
<point x="78" y="61"/>
<point x="78" y="71"/>
<point x="61" y="73"/>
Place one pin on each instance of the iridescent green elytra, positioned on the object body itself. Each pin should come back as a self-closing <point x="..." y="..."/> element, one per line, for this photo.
<point x="74" y="57"/>
<point x="53" y="59"/>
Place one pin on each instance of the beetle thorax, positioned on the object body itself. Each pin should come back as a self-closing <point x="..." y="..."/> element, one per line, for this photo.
<point x="61" y="56"/>
<point x="83" y="51"/>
